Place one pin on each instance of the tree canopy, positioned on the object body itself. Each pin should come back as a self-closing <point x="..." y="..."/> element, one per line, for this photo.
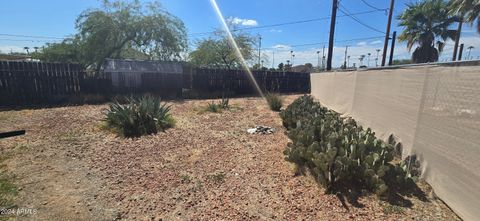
<point x="470" y="9"/>
<point x="122" y="29"/>
<point x="217" y="51"/>
<point x="427" y="23"/>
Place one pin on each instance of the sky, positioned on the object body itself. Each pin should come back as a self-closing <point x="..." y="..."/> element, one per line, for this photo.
<point x="52" y="20"/>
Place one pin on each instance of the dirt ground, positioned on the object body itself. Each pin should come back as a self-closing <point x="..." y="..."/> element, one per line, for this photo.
<point x="206" y="168"/>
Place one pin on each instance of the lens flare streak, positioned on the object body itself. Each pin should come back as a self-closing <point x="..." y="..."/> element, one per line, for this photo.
<point x="235" y="46"/>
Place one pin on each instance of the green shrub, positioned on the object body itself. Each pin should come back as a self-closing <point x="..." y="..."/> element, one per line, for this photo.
<point x="275" y="102"/>
<point x="302" y="109"/>
<point x="213" y="107"/>
<point x="337" y="151"/>
<point x="224" y="103"/>
<point x="139" y="116"/>
<point x="217" y="108"/>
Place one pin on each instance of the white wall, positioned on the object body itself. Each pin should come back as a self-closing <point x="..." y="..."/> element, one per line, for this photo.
<point x="434" y="110"/>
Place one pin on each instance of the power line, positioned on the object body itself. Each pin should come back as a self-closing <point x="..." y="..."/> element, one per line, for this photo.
<point x="345" y="11"/>
<point x="211" y="32"/>
<point x="25" y="40"/>
<point x="30" y="36"/>
<point x="374" y="7"/>
<point x="288" y="23"/>
<point x="320" y="43"/>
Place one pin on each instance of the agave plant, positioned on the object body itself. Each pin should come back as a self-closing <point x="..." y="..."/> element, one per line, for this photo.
<point x="146" y="115"/>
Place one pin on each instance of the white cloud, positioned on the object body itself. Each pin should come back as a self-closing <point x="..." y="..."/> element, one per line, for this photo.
<point x="276" y="30"/>
<point x="8" y="49"/>
<point x="362" y="43"/>
<point x="376" y="42"/>
<point x="474" y="41"/>
<point x="280" y="46"/>
<point x="242" y="21"/>
<point x="309" y="55"/>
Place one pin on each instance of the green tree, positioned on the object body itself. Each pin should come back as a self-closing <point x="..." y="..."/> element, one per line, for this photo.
<point x="281" y="66"/>
<point x="402" y="61"/>
<point x="470" y="9"/>
<point x="426" y="23"/>
<point x="125" y="26"/>
<point x="67" y="51"/>
<point x="217" y="51"/>
<point x="309" y="66"/>
<point x="122" y="29"/>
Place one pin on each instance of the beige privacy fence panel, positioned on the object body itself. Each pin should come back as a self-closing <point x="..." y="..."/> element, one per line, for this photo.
<point x="434" y="110"/>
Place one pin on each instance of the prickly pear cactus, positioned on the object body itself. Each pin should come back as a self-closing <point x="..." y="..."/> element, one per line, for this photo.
<point x="336" y="150"/>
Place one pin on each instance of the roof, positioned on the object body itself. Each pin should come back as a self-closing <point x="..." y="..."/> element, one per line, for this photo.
<point x="140" y="66"/>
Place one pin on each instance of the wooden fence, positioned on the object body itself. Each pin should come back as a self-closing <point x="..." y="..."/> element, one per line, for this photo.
<point x="213" y="82"/>
<point x="33" y="83"/>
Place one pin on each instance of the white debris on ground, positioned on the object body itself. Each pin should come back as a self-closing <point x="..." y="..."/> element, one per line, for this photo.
<point x="261" y="130"/>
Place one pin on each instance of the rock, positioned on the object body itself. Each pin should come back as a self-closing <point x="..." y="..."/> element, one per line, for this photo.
<point x="261" y="130"/>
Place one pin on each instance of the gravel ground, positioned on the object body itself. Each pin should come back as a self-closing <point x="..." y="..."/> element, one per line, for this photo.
<point x="206" y="168"/>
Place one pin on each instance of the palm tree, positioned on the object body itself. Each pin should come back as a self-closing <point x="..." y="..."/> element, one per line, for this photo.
<point x="427" y="23"/>
<point x="26" y="49"/>
<point x="361" y="59"/>
<point x="469" y="51"/>
<point x="470" y="9"/>
<point x="467" y="10"/>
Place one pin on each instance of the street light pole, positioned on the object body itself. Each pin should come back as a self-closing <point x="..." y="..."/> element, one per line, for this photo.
<point x="259" y="49"/>
<point x="376" y="60"/>
<point x="469" y="50"/>
<point x="291" y="56"/>
<point x="318" y="60"/>
<point x="323" y="58"/>
<point x="273" y="58"/>
<point x="345" y="60"/>
<point x="369" y="54"/>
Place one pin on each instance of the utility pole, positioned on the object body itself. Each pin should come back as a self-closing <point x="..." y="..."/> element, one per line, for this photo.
<point x="457" y="38"/>
<point x="259" y="49"/>
<point x="345" y="59"/>
<point x="460" y="54"/>
<point x="332" y="35"/>
<point x="387" y="35"/>
<point x="323" y="58"/>
<point x="394" y="38"/>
